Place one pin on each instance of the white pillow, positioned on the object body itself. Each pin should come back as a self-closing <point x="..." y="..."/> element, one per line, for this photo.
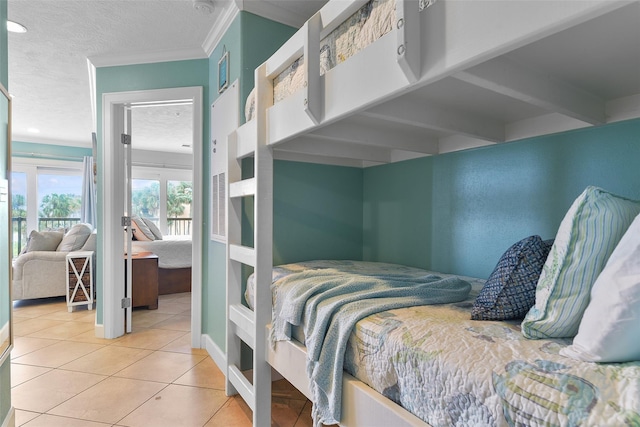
<point x="140" y="230"/>
<point x="610" y="328"/>
<point x="153" y="228"/>
<point x="43" y="241"/>
<point x="75" y="238"/>
<point x="588" y="234"/>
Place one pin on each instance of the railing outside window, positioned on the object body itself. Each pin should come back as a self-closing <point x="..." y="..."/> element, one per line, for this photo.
<point x="19" y="228"/>
<point x="179" y="226"/>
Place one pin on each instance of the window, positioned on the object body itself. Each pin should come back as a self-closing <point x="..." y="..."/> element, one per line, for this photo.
<point x="19" y="210"/>
<point x="59" y="198"/>
<point x="179" y="196"/>
<point x="145" y="198"/>
<point x="46" y="194"/>
<point x="163" y="196"/>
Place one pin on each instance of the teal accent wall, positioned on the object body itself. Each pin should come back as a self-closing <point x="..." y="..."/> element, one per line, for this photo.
<point x="162" y="75"/>
<point x="73" y="154"/>
<point x="250" y="40"/>
<point x="317" y="212"/>
<point x="459" y="212"/>
<point x="5" y="368"/>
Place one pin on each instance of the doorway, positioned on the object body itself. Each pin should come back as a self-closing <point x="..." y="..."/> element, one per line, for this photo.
<point x="111" y="273"/>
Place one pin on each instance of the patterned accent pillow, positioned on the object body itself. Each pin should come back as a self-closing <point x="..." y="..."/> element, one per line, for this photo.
<point x="510" y="291"/>
<point x="588" y="234"/>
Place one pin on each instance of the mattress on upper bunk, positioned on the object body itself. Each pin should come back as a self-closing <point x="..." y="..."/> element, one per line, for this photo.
<point x="172" y="251"/>
<point x="449" y="370"/>
<point x="368" y="24"/>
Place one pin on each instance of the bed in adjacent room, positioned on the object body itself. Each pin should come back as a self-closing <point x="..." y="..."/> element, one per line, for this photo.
<point x="174" y="256"/>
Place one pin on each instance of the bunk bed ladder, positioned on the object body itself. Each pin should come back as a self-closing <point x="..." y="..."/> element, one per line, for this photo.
<point x="243" y="324"/>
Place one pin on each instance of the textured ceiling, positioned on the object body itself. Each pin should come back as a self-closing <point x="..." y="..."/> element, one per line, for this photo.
<point x="48" y="67"/>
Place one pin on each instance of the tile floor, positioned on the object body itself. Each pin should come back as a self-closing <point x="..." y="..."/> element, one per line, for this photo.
<point x="62" y="375"/>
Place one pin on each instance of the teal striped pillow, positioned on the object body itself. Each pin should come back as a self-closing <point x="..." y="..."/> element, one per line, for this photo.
<point x="588" y="234"/>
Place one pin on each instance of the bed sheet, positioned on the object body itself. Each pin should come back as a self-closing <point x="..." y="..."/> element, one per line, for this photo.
<point x="452" y="371"/>
<point x="172" y="251"/>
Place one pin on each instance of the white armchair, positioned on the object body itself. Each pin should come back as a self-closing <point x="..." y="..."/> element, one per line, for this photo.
<point x="42" y="273"/>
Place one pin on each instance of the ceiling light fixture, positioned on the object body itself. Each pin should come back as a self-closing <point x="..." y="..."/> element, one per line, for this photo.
<point x="14" y="27"/>
<point x="203" y="6"/>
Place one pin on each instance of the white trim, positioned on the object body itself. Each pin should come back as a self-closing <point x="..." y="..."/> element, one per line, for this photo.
<point x="217" y="354"/>
<point x="112" y="242"/>
<point x="99" y="330"/>
<point x="220" y="28"/>
<point x="40" y="140"/>
<point x="10" y="420"/>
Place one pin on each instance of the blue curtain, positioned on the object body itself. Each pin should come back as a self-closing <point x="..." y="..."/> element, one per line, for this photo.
<point x="88" y="209"/>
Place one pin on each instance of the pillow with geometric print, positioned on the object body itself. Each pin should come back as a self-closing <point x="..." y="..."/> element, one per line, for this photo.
<point x="510" y="291"/>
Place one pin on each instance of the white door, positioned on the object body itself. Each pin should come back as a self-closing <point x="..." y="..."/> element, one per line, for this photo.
<point x="112" y="200"/>
<point x="126" y="140"/>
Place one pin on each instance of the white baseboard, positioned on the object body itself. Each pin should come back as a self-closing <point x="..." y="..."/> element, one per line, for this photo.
<point x="99" y="330"/>
<point x="10" y="419"/>
<point x="218" y="356"/>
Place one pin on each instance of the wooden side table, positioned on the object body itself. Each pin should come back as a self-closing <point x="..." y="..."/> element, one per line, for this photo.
<point x="80" y="279"/>
<point x="144" y="280"/>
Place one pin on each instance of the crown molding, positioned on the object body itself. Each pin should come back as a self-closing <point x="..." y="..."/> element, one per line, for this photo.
<point x="222" y="24"/>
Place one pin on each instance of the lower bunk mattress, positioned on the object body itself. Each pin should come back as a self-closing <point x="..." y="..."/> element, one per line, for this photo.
<point x="449" y="370"/>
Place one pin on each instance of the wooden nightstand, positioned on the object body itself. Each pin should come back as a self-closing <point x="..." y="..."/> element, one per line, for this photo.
<point x="144" y="280"/>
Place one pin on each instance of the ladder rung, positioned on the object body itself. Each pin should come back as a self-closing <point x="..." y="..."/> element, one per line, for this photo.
<point x="243" y="254"/>
<point x="244" y="320"/>
<point x="242" y="385"/>
<point x="246" y="187"/>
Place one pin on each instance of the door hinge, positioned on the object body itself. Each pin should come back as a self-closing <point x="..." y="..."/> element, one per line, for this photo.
<point x="126" y="302"/>
<point x="126" y="221"/>
<point x="125" y="139"/>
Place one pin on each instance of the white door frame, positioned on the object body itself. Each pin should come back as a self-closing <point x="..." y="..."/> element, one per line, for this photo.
<point x="112" y="202"/>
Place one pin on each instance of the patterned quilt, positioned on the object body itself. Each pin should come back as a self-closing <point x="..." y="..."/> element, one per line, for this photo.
<point x="452" y="371"/>
<point x="368" y="24"/>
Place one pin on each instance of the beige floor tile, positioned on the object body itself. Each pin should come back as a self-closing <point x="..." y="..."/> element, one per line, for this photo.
<point x="46" y="420"/>
<point x="57" y="354"/>
<point x="304" y="419"/>
<point x="177" y="405"/>
<point x="235" y="413"/>
<point x="79" y="315"/>
<point x="23" y="417"/>
<point x="161" y="366"/>
<point x="18" y="319"/>
<point x="38" y="307"/>
<point x="33" y="325"/>
<point x="26" y="345"/>
<point x="51" y="389"/>
<point x="175" y="323"/>
<point x="171" y="307"/>
<point x="109" y="401"/>
<point x="63" y="331"/>
<point x="284" y="389"/>
<point x="24" y="373"/>
<point x="107" y="360"/>
<point x="90" y="337"/>
<point x="205" y="374"/>
<point x="183" y="345"/>
<point x="147" y="318"/>
<point x="151" y="339"/>
<point x="285" y="412"/>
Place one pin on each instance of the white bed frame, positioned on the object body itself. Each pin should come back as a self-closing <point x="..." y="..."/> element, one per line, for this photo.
<point x="459" y="74"/>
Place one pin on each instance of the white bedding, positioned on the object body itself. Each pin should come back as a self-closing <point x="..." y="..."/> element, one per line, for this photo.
<point x="172" y="251"/>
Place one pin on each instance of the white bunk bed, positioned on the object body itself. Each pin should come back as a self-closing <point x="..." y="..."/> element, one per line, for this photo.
<point x="455" y="75"/>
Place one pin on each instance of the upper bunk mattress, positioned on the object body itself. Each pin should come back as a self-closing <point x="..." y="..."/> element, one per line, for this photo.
<point x="449" y="370"/>
<point x="368" y="24"/>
